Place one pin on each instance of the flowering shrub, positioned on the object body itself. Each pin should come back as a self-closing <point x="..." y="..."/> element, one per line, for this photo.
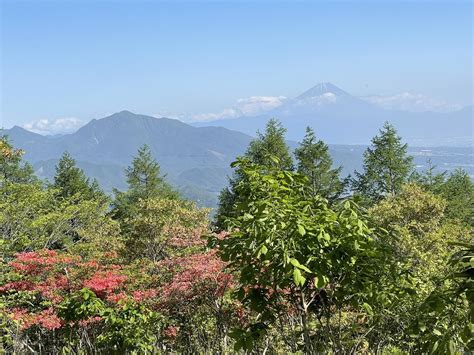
<point x="48" y="293"/>
<point x="196" y="301"/>
<point x="47" y="318"/>
<point x="52" y="291"/>
<point x="104" y="283"/>
<point x="51" y="276"/>
<point x="197" y="276"/>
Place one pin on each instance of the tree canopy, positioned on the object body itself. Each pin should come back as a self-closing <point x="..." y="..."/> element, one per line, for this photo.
<point x="12" y="168"/>
<point x="295" y="267"/>
<point x="387" y="166"/>
<point x="315" y="162"/>
<point x="270" y="143"/>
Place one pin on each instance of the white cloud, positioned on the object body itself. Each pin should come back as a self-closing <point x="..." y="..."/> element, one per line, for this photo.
<point x="166" y="114"/>
<point x="411" y="102"/>
<point x="257" y="104"/>
<point x="224" y="114"/>
<point x="250" y="106"/>
<point x="60" y="125"/>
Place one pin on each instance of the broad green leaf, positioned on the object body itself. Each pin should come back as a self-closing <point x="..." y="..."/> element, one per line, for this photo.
<point x="320" y="281"/>
<point x="301" y="230"/>
<point x="297" y="264"/>
<point x="298" y="278"/>
<point x="263" y="250"/>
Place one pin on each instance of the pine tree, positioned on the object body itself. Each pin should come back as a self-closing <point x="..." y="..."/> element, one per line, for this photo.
<point x="12" y="168"/>
<point x="315" y="162"/>
<point x="262" y="151"/>
<point x="269" y="144"/>
<point x="144" y="178"/>
<point x="144" y="181"/>
<point x="386" y="166"/>
<point x="71" y="181"/>
<point x="458" y="191"/>
<point x="429" y="178"/>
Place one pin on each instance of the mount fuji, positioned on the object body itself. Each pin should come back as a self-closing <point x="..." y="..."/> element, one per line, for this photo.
<point x="341" y="118"/>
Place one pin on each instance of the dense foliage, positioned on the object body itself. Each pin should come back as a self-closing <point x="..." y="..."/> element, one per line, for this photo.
<point x="315" y="162"/>
<point x="291" y="263"/>
<point x="386" y="166"/>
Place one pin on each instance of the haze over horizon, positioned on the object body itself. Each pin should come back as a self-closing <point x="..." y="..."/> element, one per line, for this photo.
<point x="66" y="63"/>
<point x="323" y="95"/>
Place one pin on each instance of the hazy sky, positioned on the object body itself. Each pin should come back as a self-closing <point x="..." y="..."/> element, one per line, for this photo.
<point x="88" y="59"/>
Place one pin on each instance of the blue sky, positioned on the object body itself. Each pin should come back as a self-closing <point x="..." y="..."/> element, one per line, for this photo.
<point x="88" y="59"/>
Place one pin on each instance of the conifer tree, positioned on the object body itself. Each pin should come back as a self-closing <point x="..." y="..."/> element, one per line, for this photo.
<point x="386" y="166"/>
<point x="271" y="143"/>
<point x="429" y="178"/>
<point x="144" y="178"/>
<point x="262" y="151"/>
<point x="144" y="181"/>
<point x="315" y="162"/>
<point x="12" y="168"/>
<point x="70" y="180"/>
<point x="458" y="191"/>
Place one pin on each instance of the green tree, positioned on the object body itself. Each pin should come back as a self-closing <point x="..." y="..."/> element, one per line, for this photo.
<point x="144" y="181"/>
<point x="386" y="166"/>
<point x="269" y="144"/>
<point x="424" y="236"/>
<point x="445" y="322"/>
<point x="31" y="218"/>
<point x="315" y="162"/>
<point x="293" y="255"/>
<point x="70" y="180"/>
<point x="458" y="191"/>
<point x="161" y="223"/>
<point x="12" y="168"/>
<point x="429" y="178"/>
<point x="423" y="241"/>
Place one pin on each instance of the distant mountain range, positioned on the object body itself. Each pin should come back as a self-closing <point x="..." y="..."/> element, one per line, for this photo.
<point x="340" y="118"/>
<point x="195" y="159"/>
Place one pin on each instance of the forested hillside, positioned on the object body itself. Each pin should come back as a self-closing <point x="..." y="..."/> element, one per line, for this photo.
<point x="195" y="160"/>
<point x="298" y="259"/>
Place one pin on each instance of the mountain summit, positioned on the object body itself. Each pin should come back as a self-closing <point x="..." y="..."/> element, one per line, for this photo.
<point x="322" y="89"/>
<point x="195" y="160"/>
<point x="341" y="118"/>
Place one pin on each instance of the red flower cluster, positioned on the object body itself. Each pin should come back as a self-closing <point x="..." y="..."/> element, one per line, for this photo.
<point x="196" y="276"/>
<point x="47" y="318"/>
<point x="171" y="332"/>
<point x="141" y="295"/>
<point x="90" y="320"/>
<point x="103" y="283"/>
<point x="32" y="263"/>
<point x="51" y="277"/>
<point x="54" y="276"/>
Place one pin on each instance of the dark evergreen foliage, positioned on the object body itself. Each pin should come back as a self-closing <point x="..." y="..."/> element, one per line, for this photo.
<point x="386" y="166"/>
<point x="315" y="162"/>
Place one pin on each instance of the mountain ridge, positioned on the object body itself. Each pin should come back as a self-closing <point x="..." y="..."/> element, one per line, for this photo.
<point x="195" y="159"/>
<point x="114" y="140"/>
